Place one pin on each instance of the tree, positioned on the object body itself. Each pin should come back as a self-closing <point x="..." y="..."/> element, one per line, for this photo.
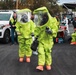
<point x="52" y="5"/>
<point x="7" y="4"/>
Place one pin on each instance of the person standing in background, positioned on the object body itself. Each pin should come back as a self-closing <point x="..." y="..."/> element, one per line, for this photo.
<point x="58" y="20"/>
<point x="73" y="35"/>
<point x="12" y="23"/>
<point x="65" y="21"/>
<point x="34" y="52"/>
<point x="74" y="22"/>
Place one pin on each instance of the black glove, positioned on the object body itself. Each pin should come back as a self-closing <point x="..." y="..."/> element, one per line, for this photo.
<point x="35" y="44"/>
<point x="36" y="37"/>
<point x="49" y="31"/>
<point x="32" y="34"/>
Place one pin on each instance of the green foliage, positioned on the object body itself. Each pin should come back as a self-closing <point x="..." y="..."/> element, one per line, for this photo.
<point x="7" y="4"/>
<point x="52" y="5"/>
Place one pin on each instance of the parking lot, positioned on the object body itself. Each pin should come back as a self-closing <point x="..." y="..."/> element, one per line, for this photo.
<point x="64" y="61"/>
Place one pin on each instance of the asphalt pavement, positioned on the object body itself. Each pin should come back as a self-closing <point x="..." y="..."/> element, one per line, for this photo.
<point x="63" y="55"/>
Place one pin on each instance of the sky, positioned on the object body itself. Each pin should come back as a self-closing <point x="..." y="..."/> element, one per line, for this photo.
<point x="66" y="1"/>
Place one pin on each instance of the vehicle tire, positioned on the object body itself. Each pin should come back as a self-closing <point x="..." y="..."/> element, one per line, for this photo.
<point x="6" y="37"/>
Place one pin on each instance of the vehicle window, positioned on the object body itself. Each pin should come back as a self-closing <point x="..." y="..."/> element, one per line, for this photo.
<point x="4" y="17"/>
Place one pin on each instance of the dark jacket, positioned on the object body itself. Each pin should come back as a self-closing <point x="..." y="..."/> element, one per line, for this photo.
<point x="74" y="23"/>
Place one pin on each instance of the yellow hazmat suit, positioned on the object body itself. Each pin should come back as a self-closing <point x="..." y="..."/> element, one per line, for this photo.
<point x="24" y="27"/>
<point x="45" y="37"/>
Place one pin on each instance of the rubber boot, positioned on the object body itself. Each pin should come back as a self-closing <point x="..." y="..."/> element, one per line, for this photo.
<point x="28" y="59"/>
<point x="40" y="68"/>
<point x="48" y="67"/>
<point x="21" y="59"/>
<point x="73" y="43"/>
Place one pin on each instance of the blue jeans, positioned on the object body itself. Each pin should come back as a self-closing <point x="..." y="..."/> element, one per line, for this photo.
<point x="13" y="36"/>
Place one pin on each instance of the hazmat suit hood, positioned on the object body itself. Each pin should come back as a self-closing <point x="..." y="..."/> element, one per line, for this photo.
<point x="24" y="15"/>
<point x="41" y="16"/>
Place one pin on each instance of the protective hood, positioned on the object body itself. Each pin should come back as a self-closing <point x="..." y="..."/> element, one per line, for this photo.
<point x="44" y="20"/>
<point x="43" y="9"/>
<point x="24" y="15"/>
<point x="41" y="16"/>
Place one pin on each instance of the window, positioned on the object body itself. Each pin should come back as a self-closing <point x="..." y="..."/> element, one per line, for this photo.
<point x="4" y="17"/>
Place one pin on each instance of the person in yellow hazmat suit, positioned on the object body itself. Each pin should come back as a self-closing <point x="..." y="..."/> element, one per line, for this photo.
<point x="73" y="36"/>
<point x="25" y="29"/>
<point x="45" y="30"/>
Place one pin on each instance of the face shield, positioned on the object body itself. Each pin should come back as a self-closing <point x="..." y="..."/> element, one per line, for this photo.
<point x="40" y="18"/>
<point x="24" y="17"/>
